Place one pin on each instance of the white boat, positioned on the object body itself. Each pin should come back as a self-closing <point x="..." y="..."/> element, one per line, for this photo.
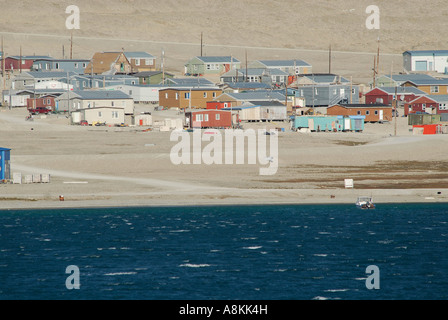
<point x="365" y="203"/>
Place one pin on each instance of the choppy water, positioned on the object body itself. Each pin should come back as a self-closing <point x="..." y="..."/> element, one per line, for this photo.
<point x="244" y="252"/>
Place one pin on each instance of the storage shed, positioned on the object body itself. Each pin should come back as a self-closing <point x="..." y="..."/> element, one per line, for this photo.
<point x="5" y="158"/>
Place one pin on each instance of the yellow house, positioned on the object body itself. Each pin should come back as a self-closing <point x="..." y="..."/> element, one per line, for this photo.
<point x="431" y="87"/>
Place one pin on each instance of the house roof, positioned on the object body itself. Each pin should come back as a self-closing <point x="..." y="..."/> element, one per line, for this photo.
<point x="150" y="73"/>
<point x="255" y="72"/>
<point x="219" y="59"/>
<point x="284" y="63"/>
<point x="31" y="57"/>
<point x="138" y="54"/>
<point x="374" y="105"/>
<point x="4" y="149"/>
<point x="191" y="81"/>
<point x="400" y="90"/>
<point x="429" y="82"/>
<point x="102" y="62"/>
<point x="49" y="74"/>
<point x="257" y="95"/>
<point x="426" y="52"/>
<point x="326" y="78"/>
<point x="247" y="85"/>
<point x="100" y="94"/>
<point x="267" y="103"/>
<point x="441" y="98"/>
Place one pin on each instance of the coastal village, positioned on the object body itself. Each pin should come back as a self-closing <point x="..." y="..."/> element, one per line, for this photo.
<point x="134" y="90"/>
<point x="224" y="92"/>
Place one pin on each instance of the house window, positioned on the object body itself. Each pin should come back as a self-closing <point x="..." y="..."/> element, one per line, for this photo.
<point x="424" y="106"/>
<point x="137" y="62"/>
<point x="226" y="104"/>
<point x="148" y="62"/>
<point x="99" y="114"/>
<point x="434" y="89"/>
<point x="48" y="101"/>
<point x="166" y="95"/>
<point x="208" y="67"/>
<point x="367" y="112"/>
<point x="358" y="112"/>
<point x="214" y="94"/>
<point x="76" y="65"/>
<point x="57" y="65"/>
<point x="177" y="96"/>
<point x="84" y="65"/>
<point x="217" y="116"/>
<point x="187" y="95"/>
<point x="199" y="117"/>
<point x="112" y="103"/>
<point x="205" y="117"/>
<point x="205" y="94"/>
<point x="376" y="112"/>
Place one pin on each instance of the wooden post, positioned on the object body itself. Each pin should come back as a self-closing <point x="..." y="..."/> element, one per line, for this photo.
<point x="396" y="110"/>
<point x="329" y="61"/>
<point x="374" y="73"/>
<point x="201" y="44"/>
<point x="20" y="60"/>
<point x="71" y="45"/>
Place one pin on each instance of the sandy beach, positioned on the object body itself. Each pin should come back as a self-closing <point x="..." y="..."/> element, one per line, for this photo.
<point x="110" y="166"/>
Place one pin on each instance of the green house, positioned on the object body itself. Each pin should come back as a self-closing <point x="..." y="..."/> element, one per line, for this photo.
<point x="152" y="77"/>
<point x="211" y="65"/>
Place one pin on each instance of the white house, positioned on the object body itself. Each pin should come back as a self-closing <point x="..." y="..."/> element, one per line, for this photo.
<point x="426" y="60"/>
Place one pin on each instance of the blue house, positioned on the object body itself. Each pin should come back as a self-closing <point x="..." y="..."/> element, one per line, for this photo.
<point x="5" y="158"/>
<point x="66" y="65"/>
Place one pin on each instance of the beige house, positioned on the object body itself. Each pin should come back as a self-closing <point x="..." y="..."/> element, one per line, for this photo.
<point x="108" y="115"/>
<point x="87" y="99"/>
<point x="108" y="63"/>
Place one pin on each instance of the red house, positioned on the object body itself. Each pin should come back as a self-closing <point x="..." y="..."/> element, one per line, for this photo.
<point x="209" y="119"/>
<point x="218" y="105"/>
<point x="46" y="101"/>
<point x="386" y="95"/>
<point x="22" y="63"/>
<point x="421" y="104"/>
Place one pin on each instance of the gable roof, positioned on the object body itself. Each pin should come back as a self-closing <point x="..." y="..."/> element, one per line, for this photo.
<point x="256" y="96"/>
<point x="138" y="55"/>
<point x="429" y="82"/>
<point x="31" y="57"/>
<point x="426" y="52"/>
<point x="373" y="105"/>
<point x="99" y="95"/>
<point x="102" y="62"/>
<point x="284" y="63"/>
<point x="400" y="90"/>
<point x="218" y="59"/>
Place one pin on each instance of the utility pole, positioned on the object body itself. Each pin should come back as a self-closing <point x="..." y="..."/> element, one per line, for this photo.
<point x="163" y="66"/>
<point x="374" y="73"/>
<point x="329" y="61"/>
<point x="396" y="110"/>
<point x="71" y="45"/>
<point x="378" y="58"/>
<point x="351" y="90"/>
<point x="20" y="60"/>
<point x="201" y="44"/>
<point x="246" y="67"/>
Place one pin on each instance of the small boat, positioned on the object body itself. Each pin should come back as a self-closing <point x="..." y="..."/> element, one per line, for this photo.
<point x="365" y="203"/>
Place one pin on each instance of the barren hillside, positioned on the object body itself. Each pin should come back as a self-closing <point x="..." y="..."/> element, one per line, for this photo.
<point x="288" y="27"/>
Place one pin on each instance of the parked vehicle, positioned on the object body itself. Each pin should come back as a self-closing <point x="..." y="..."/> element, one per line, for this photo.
<point x="39" y="110"/>
<point x="84" y="123"/>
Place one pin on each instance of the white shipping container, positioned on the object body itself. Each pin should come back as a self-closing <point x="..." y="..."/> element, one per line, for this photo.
<point x="36" y="178"/>
<point x="17" y="178"/>
<point x="28" y="179"/>
<point x="45" y="178"/>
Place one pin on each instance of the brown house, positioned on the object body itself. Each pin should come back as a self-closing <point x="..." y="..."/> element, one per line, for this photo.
<point x="108" y="63"/>
<point x="372" y="112"/>
<point x="180" y="97"/>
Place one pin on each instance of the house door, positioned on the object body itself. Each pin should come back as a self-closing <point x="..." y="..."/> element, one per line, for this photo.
<point x="420" y="66"/>
<point x="381" y="114"/>
<point x="347" y="124"/>
<point x="122" y="67"/>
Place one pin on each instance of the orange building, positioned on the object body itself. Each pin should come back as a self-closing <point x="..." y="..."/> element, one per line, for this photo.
<point x="372" y="112"/>
<point x="180" y="97"/>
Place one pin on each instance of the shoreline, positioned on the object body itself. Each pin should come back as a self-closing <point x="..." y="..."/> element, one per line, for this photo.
<point x="321" y="197"/>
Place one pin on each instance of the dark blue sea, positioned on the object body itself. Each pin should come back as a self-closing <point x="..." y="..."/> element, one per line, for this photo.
<point x="230" y="252"/>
